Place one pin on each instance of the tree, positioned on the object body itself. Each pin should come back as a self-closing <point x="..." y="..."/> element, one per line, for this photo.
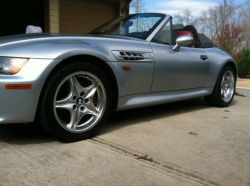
<point x="185" y="17"/>
<point x="244" y="65"/>
<point x="231" y="39"/>
<point x="138" y="6"/>
<point x="226" y="24"/>
<point x="246" y="21"/>
<point x="213" y="21"/>
<point x="227" y="27"/>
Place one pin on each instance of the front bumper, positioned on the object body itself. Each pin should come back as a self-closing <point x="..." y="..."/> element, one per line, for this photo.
<point x="19" y="106"/>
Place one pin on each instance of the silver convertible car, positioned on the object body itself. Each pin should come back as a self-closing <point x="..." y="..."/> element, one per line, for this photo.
<point x="70" y="83"/>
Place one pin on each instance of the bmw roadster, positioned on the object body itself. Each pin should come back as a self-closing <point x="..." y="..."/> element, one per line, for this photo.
<point x="70" y="83"/>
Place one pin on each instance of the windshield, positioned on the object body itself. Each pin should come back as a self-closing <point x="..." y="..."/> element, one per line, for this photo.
<point x="136" y="25"/>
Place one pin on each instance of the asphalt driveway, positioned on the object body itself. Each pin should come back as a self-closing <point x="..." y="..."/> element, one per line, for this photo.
<point x="184" y="143"/>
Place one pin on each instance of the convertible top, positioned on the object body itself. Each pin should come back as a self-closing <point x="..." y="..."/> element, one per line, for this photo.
<point x="202" y="40"/>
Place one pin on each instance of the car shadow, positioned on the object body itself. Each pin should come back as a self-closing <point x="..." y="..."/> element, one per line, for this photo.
<point x="120" y="119"/>
<point x="22" y="134"/>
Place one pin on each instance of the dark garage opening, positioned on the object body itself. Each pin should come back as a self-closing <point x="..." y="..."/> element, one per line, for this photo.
<point x="16" y="15"/>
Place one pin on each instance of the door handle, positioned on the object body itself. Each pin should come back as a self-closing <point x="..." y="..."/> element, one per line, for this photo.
<point x="204" y="57"/>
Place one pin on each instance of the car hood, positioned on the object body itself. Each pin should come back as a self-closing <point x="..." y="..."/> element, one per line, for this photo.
<point x="61" y="46"/>
<point x="29" y="37"/>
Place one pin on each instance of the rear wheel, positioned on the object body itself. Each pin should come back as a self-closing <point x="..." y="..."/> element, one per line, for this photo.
<point x="224" y="89"/>
<point x="76" y="102"/>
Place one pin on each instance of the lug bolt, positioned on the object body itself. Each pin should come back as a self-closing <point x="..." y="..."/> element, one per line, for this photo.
<point x="74" y="97"/>
<point x="74" y="107"/>
<point x="82" y="108"/>
<point x="82" y="94"/>
<point x="87" y="101"/>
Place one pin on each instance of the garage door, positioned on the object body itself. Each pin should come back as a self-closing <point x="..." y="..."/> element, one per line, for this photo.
<point x="15" y="15"/>
<point x="82" y="16"/>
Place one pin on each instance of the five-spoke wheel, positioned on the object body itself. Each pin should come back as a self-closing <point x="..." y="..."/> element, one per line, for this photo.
<point x="79" y="101"/>
<point x="227" y="86"/>
<point x="224" y="89"/>
<point x="76" y="102"/>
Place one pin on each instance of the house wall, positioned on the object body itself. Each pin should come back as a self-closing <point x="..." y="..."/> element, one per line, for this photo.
<point x="82" y="16"/>
<point x="54" y="16"/>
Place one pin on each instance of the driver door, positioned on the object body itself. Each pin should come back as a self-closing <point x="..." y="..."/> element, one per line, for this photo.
<point x="174" y="71"/>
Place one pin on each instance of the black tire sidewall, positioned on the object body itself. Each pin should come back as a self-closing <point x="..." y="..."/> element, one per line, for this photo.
<point x="49" y="120"/>
<point x="217" y="98"/>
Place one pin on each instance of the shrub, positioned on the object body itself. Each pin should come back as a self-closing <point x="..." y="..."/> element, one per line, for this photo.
<point x="244" y="65"/>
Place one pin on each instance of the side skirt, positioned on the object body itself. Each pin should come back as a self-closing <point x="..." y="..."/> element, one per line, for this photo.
<point x="143" y="100"/>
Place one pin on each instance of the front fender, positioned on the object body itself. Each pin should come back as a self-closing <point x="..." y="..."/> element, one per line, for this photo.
<point x="55" y="49"/>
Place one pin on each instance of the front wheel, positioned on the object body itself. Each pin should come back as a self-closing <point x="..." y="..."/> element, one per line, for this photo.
<point x="224" y="89"/>
<point x="76" y="102"/>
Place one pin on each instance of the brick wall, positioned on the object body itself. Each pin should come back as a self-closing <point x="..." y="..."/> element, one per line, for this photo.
<point x="82" y="16"/>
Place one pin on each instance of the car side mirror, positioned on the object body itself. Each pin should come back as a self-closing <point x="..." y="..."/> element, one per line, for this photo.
<point x="182" y="41"/>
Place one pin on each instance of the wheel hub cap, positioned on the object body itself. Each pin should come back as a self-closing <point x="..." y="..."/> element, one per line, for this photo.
<point x="79" y="101"/>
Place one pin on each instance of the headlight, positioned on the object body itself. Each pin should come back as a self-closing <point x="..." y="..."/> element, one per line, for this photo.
<point x="11" y="65"/>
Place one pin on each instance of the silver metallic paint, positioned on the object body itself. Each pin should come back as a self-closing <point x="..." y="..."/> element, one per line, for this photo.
<point x="179" y="70"/>
<point x="142" y="100"/>
<point x="20" y="105"/>
<point x="182" y="41"/>
<point x="146" y="84"/>
<point x="136" y="81"/>
<point x="218" y="59"/>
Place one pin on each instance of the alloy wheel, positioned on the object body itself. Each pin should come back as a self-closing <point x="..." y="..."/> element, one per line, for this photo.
<point x="227" y="86"/>
<point x="79" y="102"/>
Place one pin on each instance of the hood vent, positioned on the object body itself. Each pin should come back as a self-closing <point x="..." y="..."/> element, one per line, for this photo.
<point x="131" y="56"/>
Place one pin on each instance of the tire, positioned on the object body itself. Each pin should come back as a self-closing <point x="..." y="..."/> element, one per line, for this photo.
<point x="224" y="89"/>
<point x="76" y="102"/>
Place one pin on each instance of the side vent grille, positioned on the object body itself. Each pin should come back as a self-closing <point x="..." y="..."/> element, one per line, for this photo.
<point x="131" y="56"/>
<point x="134" y="56"/>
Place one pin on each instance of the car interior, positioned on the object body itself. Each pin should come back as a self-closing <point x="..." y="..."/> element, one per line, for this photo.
<point x="200" y="40"/>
